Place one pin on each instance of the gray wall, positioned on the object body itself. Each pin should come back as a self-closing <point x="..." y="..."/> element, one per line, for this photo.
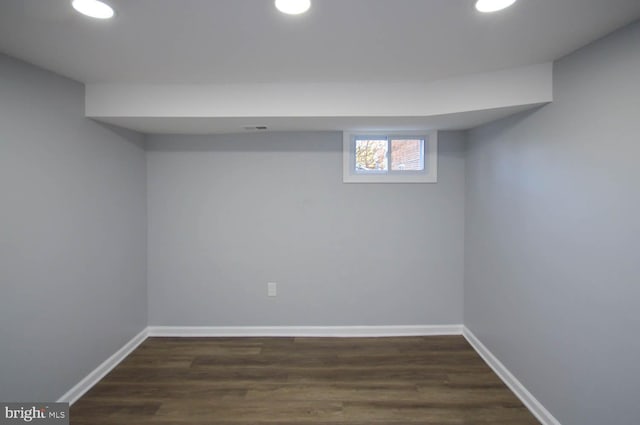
<point x="72" y="235"/>
<point x="553" y="232"/>
<point x="229" y="213"/>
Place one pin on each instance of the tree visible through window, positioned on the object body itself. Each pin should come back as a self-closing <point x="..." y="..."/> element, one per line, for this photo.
<point x="374" y="155"/>
<point x="371" y="155"/>
<point x="381" y="157"/>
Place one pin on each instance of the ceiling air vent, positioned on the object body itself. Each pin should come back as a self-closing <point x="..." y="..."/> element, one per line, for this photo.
<point x="255" y="127"/>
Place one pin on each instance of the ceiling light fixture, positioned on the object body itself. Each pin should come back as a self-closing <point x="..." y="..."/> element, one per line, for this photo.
<point x="93" y="8"/>
<point x="293" y="7"/>
<point x="487" y="6"/>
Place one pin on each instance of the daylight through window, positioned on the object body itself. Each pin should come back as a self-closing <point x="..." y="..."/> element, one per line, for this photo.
<point x="388" y="158"/>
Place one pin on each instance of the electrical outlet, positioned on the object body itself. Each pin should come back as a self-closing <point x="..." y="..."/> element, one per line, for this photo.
<point x="272" y="289"/>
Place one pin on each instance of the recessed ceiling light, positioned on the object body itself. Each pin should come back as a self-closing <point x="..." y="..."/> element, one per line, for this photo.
<point x="93" y="8"/>
<point x="293" y="7"/>
<point x="493" y="5"/>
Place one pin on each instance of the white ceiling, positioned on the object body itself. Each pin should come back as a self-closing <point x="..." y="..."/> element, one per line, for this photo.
<point x="247" y="43"/>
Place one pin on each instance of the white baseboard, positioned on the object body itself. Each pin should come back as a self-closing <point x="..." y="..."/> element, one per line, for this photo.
<point x="536" y="408"/>
<point x="303" y="331"/>
<point x="98" y="373"/>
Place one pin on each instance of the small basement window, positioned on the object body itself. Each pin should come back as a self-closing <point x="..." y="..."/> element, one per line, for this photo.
<point x="383" y="157"/>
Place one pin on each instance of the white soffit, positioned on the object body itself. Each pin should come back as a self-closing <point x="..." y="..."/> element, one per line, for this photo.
<point x="461" y="102"/>
<point x="210" y="125"/>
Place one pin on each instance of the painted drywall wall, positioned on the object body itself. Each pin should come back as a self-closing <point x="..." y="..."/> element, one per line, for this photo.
<point x="552" y="256"/>
<point x="72" y="235"/>
<point x="227" y="214"/>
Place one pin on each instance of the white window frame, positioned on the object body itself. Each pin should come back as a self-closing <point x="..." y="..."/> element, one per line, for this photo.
<point x="428" y="175"/>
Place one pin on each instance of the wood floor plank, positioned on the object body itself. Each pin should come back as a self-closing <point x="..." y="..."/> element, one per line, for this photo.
<point x="252" y="411"/>
<point x="411" y="412"/>
<point x="320" y="381"/>
<point x="166" y="375"/>
<point x="161" y="393"/>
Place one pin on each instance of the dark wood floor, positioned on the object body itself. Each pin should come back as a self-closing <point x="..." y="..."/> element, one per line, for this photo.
<point x="251" y="381"/>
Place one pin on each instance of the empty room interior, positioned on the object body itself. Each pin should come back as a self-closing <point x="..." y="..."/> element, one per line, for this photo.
<point x="320" y="212"/>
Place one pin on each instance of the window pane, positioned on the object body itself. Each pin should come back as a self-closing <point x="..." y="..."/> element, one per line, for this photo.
<point x="371" y="155"/>
<point x="407" y="155"/>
